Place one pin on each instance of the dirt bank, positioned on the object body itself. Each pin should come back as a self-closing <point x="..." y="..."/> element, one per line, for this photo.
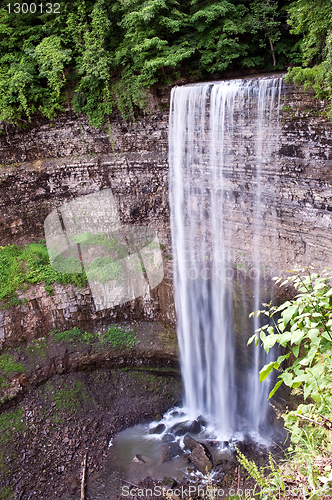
<point x="68" y="397"/>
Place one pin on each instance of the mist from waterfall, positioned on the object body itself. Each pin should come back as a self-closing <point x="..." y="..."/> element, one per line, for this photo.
<point x="209" y="141"/>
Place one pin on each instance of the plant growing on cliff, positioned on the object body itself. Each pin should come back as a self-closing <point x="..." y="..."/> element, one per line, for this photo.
<point x="74" y="335"/>
<point x="8" y="366"/>
<point x="304" y="329"/>
<point x="22" y="267"/>
<point x="118" y="337"/>
<point x="115" y="336"/>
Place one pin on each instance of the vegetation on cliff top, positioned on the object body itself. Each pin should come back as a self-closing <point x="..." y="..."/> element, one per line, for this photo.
<point x="100" y="55"/>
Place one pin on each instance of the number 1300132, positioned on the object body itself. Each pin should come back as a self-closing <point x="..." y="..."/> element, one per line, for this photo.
<point x="33" y="8"/>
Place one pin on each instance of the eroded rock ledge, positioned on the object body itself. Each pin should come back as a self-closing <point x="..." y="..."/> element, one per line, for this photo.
<point x="67" y="397"/>
<point x="36" y="362"/>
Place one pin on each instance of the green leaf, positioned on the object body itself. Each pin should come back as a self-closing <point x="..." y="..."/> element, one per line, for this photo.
<point x="323" y="479"/>
<point x="295" y="350"/>
<point x="308" y="390"/>
<point x="287" y="378"/>
<point x="282" y="358"/>
<point x="251" y="339"/>
<point x="283" y="306"/>
<point x="265" y="371"/>
<point x="297" y="337"/>
<point x="327" y="336"/>
<point x="275" y="388"/>
<point x="300" y="378"/>
<point x="288" y="313"/>
<point x="284" y="338"/>
<point x="269" y="342"/>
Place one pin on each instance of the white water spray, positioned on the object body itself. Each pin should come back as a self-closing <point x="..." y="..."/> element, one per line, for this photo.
<point x="206" y="146"/>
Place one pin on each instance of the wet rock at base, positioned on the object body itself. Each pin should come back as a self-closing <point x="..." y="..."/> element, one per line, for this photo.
<point x="200" y="458"/>
<point x="195" y="427"/>
<point x="200" y="455"/>
<point x="167" y="438"/>
<point x="247" y="445"/>
<point x="222" y="457"/>
<point x="169" y="451"/>
<point x="201" y="420"/>
<point x="159" y="429"/>
<point x="189" y="442"/>
<point x="181" y="428"/>
<point x="138" y="459"/>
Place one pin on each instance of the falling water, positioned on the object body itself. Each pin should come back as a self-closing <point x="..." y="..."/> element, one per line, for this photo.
<point x="209" y="138"/>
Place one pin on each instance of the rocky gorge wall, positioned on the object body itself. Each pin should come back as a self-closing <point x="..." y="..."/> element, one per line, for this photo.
<point x="46" y="163"/>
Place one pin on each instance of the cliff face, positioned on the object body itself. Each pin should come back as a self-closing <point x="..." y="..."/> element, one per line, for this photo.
<point x="48" y="163"/>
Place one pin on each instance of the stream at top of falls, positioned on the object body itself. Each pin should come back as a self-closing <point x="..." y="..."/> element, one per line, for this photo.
<point x="217" y="132"/>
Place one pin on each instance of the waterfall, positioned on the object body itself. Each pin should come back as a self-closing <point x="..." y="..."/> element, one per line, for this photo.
<point x="215" y="129"/>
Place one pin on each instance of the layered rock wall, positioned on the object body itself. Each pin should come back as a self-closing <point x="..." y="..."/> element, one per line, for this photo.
<point x="50" y="162"/>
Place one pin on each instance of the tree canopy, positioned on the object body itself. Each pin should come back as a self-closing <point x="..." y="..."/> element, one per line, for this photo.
<point x="99" y="55"/>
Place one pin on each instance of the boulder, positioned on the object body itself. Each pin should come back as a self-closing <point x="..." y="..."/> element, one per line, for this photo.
<point x="201" y="420"/>
<point x="167" y="438"/>
<point x="169" y="451"/>
<point x="189" y="442"/>
<point x="181" y="428"/>
<point x="200" y="455"/>
<point x="159" y="429"/>
<point x="195" y="427"/>
<point x="201" y="458"/>
<point x="138" y="459"/>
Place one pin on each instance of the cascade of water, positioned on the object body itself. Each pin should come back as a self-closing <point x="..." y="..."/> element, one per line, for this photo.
<point x="206" y="146"/>
<point x="267" y="90"/>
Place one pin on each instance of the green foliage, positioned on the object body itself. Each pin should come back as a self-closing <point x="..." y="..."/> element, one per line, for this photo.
<point x="312" y="20"/>
<point x="51" y="59"/>
<point x="5" y="493"/>
<point x="38" y="347"/>
<point x="118" y="337"/>
<point x="69" y="398"/>
<point x="74" y="335"/>
<point x="10" y="421"/>
<point x="7" y="367"/>
<point x="303" y="327"/>
<point x="264" y="21"/>
<point x="269" y="478"/>
<point x="115" y="336"/>
<point x="104" y="269"/>
<point x="21" y="267"/>
<point x="86" y="239"/>
<point x="97" y="55"/>
<point x="93" y="95"/>
<point x="314" y="78"/>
